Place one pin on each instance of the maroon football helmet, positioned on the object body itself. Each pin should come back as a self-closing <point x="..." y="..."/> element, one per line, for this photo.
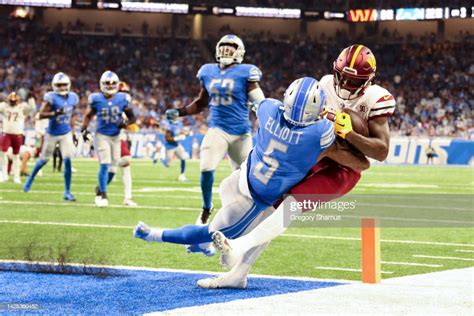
<point x="354" y="70"/>
<point x="13" y="99"/>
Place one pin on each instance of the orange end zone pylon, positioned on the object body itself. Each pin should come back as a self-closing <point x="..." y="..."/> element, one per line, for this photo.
<point x="371" y="266"/>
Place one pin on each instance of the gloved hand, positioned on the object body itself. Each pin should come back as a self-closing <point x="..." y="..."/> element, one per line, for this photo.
<point x="59" y="111"/>
<point x="133" y="127"/>
<point x="172" y="113"/>
<point x="75" y="141"/>
<point x="85" y="134"/>
<point x="342" y="124"/>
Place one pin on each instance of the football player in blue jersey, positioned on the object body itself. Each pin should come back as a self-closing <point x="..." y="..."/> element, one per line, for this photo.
<point x="292" y="136"/>
<point x="174" y="135"/>
<point x="108" y="105"/>
<point x="58" y="107"/>
<point x="226" y="87"/>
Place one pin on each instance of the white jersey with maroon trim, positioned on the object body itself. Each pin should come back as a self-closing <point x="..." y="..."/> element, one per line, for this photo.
<point x="376" y="101"/>
<point x="14" y="116"/>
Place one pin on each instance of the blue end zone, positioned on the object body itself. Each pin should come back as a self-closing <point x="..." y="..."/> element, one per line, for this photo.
<point x="130" y="291"/>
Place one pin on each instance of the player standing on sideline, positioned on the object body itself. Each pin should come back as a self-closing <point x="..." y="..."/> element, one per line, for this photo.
<point x="226" y="87"/>
<point x="14" y="114"/>
<point x="291" y="137"/>
<point x="350" y="86"/>
<point x="108" y="105"/>
<point x="58" y="107"/>
<point x="174" y="135"/>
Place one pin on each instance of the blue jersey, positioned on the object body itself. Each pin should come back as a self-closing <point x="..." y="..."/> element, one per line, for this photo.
<point x="283" y="153"/>
<point x="175" y="129"/>
<point x="61" y="124"/>
<point x="227" y="89"/>
<point x="109" y="111"/>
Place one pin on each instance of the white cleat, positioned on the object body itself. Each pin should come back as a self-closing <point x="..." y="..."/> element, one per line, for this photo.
<point x="130" y="202"/>
<point x="228" y="256"/>
<point x="100" y="202"/>
<point x="2" y="179"/>
<point x="182" y="178"/>
<point x="17" y="180"/>
<point x="222" y="282"/>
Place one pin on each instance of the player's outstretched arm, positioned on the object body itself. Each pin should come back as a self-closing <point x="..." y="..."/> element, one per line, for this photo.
<point x="343" y="155"/>
<point x="131" y="119"/>
<point x="47" y="112"/>
<point x="198" y="104"/>
<point x="376" y="146"/>
<point x="255" y="94"/>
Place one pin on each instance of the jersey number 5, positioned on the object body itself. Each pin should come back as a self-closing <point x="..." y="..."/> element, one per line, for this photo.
<point x="272" y="163"/>
<point x="224" y="84"/>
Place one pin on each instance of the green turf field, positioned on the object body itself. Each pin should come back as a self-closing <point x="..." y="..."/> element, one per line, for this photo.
<point x="40" y="226"/>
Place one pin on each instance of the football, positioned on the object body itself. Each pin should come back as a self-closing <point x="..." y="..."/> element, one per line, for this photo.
<point x="359" y="124"/>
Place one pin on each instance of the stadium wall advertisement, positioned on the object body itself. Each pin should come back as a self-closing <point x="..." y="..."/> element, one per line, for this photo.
<point x="403" y="150"/>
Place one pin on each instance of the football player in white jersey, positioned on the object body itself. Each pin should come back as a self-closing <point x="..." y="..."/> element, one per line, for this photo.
<point x="14" y="114"/>
<point x="350" y="86"/>
<point x="226" y="88"/>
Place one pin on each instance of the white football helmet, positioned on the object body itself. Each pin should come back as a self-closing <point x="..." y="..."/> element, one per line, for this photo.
<point x="61" y="83"/>
<point x="109" y="82"/>
<point x="304" y="101"/>
<point x="229" y="50"/>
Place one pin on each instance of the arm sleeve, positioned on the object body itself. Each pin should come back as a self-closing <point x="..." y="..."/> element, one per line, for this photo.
<point x="255" y="74"/>
<point x="384" y="106"/>
<point x="328" y="136"/>
<point x="48" y="97"/>
<point x="30" y="106"/>
<point x="200" y="74"/>
<point x="90" y="102"/>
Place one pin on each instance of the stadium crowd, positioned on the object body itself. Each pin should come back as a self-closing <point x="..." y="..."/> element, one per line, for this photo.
<point x="430" y="79"/>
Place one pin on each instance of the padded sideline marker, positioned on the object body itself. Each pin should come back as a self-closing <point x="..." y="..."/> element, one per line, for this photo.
<point x="371" y="265"/>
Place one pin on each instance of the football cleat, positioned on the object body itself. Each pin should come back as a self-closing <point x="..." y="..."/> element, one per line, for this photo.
<point x="203" y="218"/>
<point x="208" y="251"/>
<point x="228" y="257"/>
<point x="141" y="231"/>
<point x="130" y="202"/>
<point x="24" y="174"/>
<point x="69" y="197"/>
<point x="101" y="202"/>
<point x="222" y="282"/>
<point x="17" y="180"/>
<point x="182" y="178"/>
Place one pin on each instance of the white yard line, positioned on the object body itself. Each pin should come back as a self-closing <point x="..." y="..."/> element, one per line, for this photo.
<point x="150" y="194"/>
<point x="444" y="258"/>
<point x="383" y="240"/>
<point x="347" y="269"/>
<point x="413" y="264"/>
<point x="284" y="235"/>
<point x="94" y="206"/>
<point x="462" y="250"/>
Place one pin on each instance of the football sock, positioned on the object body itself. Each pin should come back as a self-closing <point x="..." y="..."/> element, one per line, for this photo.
<point x="16" y="166"/>
<point x="4" y="165"/>
<point x="67" y="174"/>
<point x="268" y="229"/>
<point x="39" y="164"/>
<point x="187" y="235"/>
<point x="183" y="166"/>
<point x="103" y="177"/>
<point x="207" y="179"/>
<point x="127" y="182"/>
<point x="110" y="177"/>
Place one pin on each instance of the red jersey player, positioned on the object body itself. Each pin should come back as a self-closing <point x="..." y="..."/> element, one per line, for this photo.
<point x="14" y="115"/>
